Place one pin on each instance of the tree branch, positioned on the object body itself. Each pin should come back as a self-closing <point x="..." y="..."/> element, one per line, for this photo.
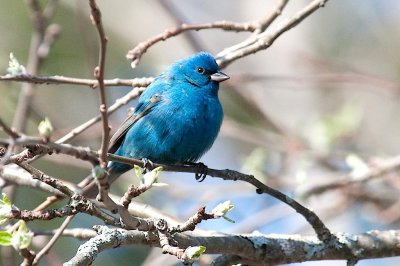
<point x="263" y="249"/>
<point x="319" y="227"/>
<point x="93" y="83"/>
<point x="321" y="230"/>
<point x="99" y="74"/>
<point x="135" y="54"/>
<point x="266" y="38"/>
<point x="373" y="171"/>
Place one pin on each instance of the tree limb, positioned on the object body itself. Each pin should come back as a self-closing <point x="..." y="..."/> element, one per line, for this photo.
<point x="263" y="249"/>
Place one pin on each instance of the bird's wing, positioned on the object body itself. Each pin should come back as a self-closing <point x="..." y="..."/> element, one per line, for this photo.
<point x="140" y="111"/>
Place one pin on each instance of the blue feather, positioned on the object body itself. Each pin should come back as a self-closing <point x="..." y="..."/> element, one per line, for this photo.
<point x="178" y="116"/>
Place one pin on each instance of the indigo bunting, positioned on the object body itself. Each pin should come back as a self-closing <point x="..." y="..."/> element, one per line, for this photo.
<point x="177" y="119"/>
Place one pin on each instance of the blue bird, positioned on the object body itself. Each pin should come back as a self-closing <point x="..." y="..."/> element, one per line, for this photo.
<point x="177" y="119"/>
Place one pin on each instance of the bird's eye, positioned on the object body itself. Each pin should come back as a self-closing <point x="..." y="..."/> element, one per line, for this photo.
<point x="200" y="70"/>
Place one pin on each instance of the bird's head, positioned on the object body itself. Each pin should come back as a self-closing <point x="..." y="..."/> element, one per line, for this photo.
<point x="199" y="70"/>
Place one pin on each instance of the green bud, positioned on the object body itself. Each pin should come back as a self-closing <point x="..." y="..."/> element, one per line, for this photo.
<point x="22" y="237"/>
<point x="150" y="178"/>
<point x="5" y="238"/>
<point x="45" y="128"/>
<point x="222" y="209"/>
<point x="98" y="172"/>
<point x="14" y="68"/>
<point x="194" y="253"/>
<point x="138" y="171"/>
<point x="5" y="208"/>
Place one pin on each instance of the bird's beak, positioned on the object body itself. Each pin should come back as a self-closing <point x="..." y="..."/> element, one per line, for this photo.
<point x="219" y="77"/>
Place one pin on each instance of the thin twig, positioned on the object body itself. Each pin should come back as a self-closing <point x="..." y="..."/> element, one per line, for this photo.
<point x="266" y="21"/>
<point x="37" y="146"/>
<point x="265" y="39"/>
<point x="53" y="240"/>
<point x="194" y="220"/>
<point x="92" y="83"/>
<point x="40" y="37"/>
<point x="133" y="94"/>
<point x="28" y="256"/>
<point x="195" y="42"/>
<point x="54" y="182"/>
<point x="8" y="153"/>
<point x="99" y="74"/>
<point x="9" y="131"/>
<point x="135" y="54"/>
<point x="373" y="171"/>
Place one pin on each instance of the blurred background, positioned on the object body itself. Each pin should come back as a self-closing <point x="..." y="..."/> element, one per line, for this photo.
<point x="319" y="104"/>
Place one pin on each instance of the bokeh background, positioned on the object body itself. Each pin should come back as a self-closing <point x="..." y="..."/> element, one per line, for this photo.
<point x="324" y="92"/>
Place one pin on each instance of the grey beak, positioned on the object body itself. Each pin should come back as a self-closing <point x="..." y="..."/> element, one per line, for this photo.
<point x="219" y="77"/>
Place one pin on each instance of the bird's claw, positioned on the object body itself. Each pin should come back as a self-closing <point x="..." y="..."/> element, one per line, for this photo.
<point x="201" y="172"/>
<point x="147" y="165"/>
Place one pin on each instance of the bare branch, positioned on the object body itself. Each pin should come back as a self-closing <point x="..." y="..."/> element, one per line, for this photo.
<point x="136" y="53"/>
<point x="99" y="74"/>
<point x="37" y="146"/>
<point x="28" y="256"/>
<point x="12" y="133"/>
<point x="194" y="220"/>
<point x="41" y="37"/>
<point x="319" y="227"/>
<point x="15" y="175"/>
<point x="265" y="39"/>
<point x="137" y="82"/>
<point x="78" y="233"/>
<point x="42" y="215"/>
<point x="55" y="183"/>
<point x="107" y="238"/>
<point x="277" y="249"/>
<point x="374" y="171"/>
<point x="134" y="93"/>
<point x="266" y="21"/>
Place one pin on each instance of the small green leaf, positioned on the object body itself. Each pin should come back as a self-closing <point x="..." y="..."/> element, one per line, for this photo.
<point x="98" y="172"/>
<point x="138" y="172"/>
<point x="222" y="209"/>
<point x="45" y="128"/>
<point x="5" y="208"/>
<point x="14" y="68"/>
<point x="194" y="253"/>
<point x="22" y="237"/>
<point x="151" y="177"/>
<point x="5" y="200"/>
<point x="5" y="238"/>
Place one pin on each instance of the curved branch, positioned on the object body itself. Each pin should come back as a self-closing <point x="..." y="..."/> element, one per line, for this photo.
<point x="136" y="53"/>
<point x="265" y="39"/>
<point x="319" y="227"/>
<point x="86" y="154"/>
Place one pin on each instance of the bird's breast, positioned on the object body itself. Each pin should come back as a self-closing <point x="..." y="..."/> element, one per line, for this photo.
<point x="194" y="128"/>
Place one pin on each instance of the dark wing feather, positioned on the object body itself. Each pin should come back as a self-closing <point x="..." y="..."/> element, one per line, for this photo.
<point x="140" y="111"/>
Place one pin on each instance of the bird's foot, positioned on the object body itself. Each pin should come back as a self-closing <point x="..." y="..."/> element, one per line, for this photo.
<point x="201" y="171"/>
<point x="147" y="165"/>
